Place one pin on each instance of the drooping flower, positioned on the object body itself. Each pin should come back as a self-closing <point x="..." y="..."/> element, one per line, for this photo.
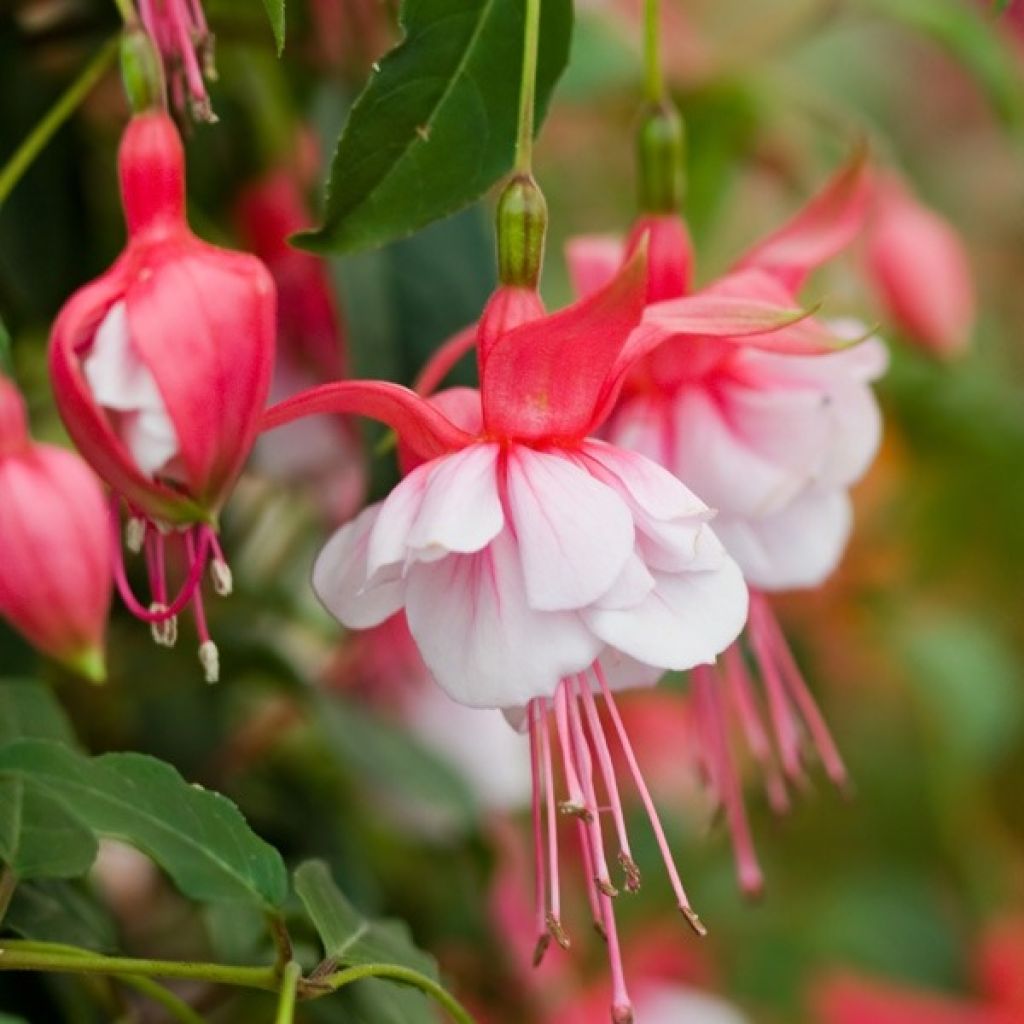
<point x="311" y="346"/>
<point x="54" y="545"/>
<point x="161" y="369"/>
<point x="770" y="431"/>
<point x="918" y="266"/>
<point x="183" y="39"/>
<point x="533" y="562"/>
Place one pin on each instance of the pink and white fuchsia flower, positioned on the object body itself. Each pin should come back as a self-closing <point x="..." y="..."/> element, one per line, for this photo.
<point x="531" y="560"/>
<point x="161" y="369"/>
<point x="771" y="432"/>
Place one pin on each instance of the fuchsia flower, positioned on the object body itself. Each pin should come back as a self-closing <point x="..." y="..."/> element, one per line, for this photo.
<point x="179" y="30"/>
<point x="771" y="431"/>
<point x="532" y="562"/>
<point x="311" y="346"/>
<point x="161" y="369"/>
<point x="54" y="545"/>
<point x="919" y="268"/>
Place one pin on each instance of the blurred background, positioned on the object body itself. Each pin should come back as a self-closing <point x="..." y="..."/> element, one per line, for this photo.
<point x="901" y="904"/>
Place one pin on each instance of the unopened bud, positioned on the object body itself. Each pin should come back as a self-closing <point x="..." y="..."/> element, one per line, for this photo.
<point x="141" y="71"/>
<point x="220" y="574"/>
<point x="661" y="156"/>
<point x="134" y="534"/>
<point x="522" y="227"/>
<point x="209" y="658"/>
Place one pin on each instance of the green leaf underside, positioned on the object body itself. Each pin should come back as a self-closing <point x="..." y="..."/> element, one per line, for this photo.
<point x="198" y="837"/>
<point x="374" y="1001"/>
<point x="58" y="911"/>
<point x="435" y="126"/>
<point x="347" y="936"/>
<point x="275" y="12"/>
<point x="38" y="838"/>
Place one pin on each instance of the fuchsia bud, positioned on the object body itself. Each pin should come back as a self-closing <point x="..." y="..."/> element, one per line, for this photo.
<point x="161" y="367"/>
<point x="919" y="267"/>
<point x="54" y="545"/>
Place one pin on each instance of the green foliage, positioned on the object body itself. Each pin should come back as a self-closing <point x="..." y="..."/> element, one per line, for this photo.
<point x="60" y="911"/>
<point x="449" y="88"/>
<point x="275" y="12"/>
<point x="199" y="838"/>
<point x="6" y="359"/>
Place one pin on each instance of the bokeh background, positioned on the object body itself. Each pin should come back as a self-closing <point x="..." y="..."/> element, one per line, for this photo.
<point x="915" y="649"/>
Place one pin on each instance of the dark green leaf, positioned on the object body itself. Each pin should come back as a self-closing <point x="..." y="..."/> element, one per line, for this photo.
<point x="51" y="911"/>
<point x="198" y="837"/>
<point x="38" y="838"/>
<point x="348" y="937"/>
<point x="435" y="127"/>
<point x="29" y="710"/>
<point x="395" y="764"/>
<point x="374" y="1001"/>
<point x="275" y="12"/>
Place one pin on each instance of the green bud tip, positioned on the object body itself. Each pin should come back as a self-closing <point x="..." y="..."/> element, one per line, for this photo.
<point x="661" y="157"/>
<point x="522" y="223"/>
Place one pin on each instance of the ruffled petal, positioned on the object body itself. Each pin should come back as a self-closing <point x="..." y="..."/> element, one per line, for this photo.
<point x="687" y="620"/>
<point x="460" y="511"/>
<point x="341" y="582"/>
<point x="799" y="546"/>
<point x="574" y="533"/>
<point x="478" y="635"/>
<point x="388" y="542"/>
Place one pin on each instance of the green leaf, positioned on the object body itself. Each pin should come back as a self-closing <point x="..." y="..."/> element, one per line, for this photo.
<point x="52" y="911"/>
<point x="198" y="837"/>
<point x="435" y="126"/>
<point x="374" y="1001"/>
<point x="348" y="937"/>
<point x="275" y="12"/>
<point x="389" y="760"/>
<point x="38" y="838"/>
<point x="29" y="710"/>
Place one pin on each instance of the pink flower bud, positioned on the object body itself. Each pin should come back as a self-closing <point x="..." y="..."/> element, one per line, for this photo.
<point x="918" y="265"/>
<point x="54" y="545"/>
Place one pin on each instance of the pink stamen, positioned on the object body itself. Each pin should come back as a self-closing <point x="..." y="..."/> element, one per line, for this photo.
<point x="784" y="722"/>
<point x="590" y="876"/>
<point x="801" y="694"/>
<point x="604" y="760"/>
<point x="709" y="702"/>
<point x="622" y="1007"/>
<point x="741" y="690"/>
<point x="539" y="876"/>
<point x="645" y="796"/>
<point x="554" y="915"/>
<point x="575" y="804"/>
<point x="585" y="769"/>
<point x="124" y="588"/>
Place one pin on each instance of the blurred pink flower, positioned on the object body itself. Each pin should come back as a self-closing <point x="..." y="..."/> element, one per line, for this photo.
<point x="918" y="265"/>
<point x="771" y="431"/>
<point x="179" y="30"/>
<point x="55" y="545"/>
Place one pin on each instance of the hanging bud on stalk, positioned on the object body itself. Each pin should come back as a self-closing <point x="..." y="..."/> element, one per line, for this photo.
<point x="161" y="369"/>
<point x="54" y="545"/>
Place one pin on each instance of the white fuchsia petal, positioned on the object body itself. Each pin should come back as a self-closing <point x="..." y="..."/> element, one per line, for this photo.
<point x="574" y="533"/>
<point x="341" y="582"/>
<point x="388" y="541"/>
<point x="687" y="620"/>
<point x="480" y="638"/>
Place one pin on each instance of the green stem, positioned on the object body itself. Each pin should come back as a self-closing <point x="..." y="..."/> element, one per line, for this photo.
<point x="528" y="87"/>
<point x="174" y="1005"/>
<point x="65" y="106"/>
<point x="654" y="76"/>
<point x="20" y="955"/>
<point x="282" y="941"/>
<point x="126" y="8"/>
<point x="289" y="990"/>
<point x="405" y="976"/>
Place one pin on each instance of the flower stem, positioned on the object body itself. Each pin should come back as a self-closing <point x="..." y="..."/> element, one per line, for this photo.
<point x="65" y="106"/>
<point x="528" y="87"/>
<point x="654" y="76"/>
<point x="126" y="8"/>
<point x="21" y="955"/>
<point x="405" y="976"/>
<point x="282" y="941"/>
<point x="289" y="989"/>
<point x="8" y="881"/>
